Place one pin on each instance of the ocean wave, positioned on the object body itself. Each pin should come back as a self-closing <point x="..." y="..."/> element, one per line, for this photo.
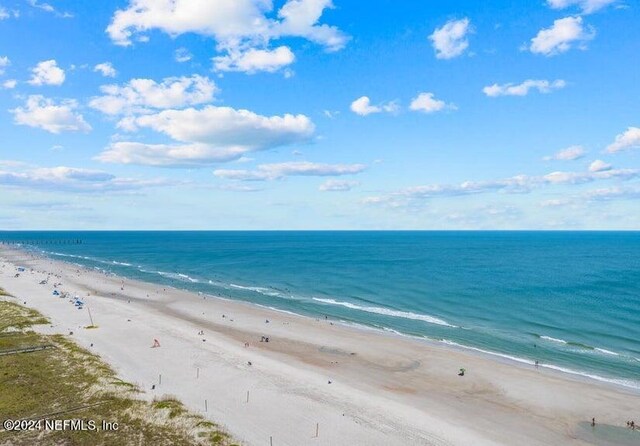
<point x="187" y="277"/>
<point x="621" y="382"/>
<point x="257" y="289"/>
<point x="175" y="276"/>
<point x="549" y="338"/>
<point x="607" y="352"/>
<point x="581" y="347"/>
<point x="277" y="309"/>
<point x="387" y="312"/>
<point x="115" y="262"/>
<point x="488" y="352"/>
<point x="70" y="255"/>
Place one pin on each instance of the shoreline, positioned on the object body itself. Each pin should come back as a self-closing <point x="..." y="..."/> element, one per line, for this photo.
<point x="620" y="383"/>
<point x="398" y="380"/>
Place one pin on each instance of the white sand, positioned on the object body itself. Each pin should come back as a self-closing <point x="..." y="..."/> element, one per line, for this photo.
<point x="391" y="391"/>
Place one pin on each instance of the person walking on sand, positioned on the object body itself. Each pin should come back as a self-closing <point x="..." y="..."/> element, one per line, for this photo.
<point x="156" y="343"/>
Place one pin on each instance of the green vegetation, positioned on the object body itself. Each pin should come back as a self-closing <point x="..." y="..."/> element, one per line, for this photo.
<point x="67" y="382"/>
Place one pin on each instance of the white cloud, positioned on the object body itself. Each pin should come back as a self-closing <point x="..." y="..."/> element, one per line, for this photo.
<point x="140" y="95"/>
<point x="568" y="154"/>
<point x="599" y="166"/>
<point x="237" y="25"/>
<point x="182" y="55"/>
<point x="9" y="84"/>
<point x="48" y="8"/>
<point x="208" y="135"/>
<point x="106" y="69"/>
<point x="362" y="106"/>
<point x="561" y="37"/>
<point x="254" y="60"/>
<point x="6" y="14"/>
<point x="338" y="185"/>
<point x="72" y="180"/>
<point x="44" y="113"/>
<point x="587" y="6"/>
<point x="628" y="140"/>
<point x="615" y="192"/>
<point x="555" y="202"/>
<point x="450" y="40"/>
<point x="516" y="184"/>
<point x="47" y="72"/>
<point x="4" y="63"/>
<point x="266" y="172"/>
<point x="234" y="187"/>
<point x="427" y="103"/>
<point x="522" y="89"/>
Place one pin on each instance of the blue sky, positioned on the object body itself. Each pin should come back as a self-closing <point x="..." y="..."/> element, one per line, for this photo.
<point x="313" y="114"/>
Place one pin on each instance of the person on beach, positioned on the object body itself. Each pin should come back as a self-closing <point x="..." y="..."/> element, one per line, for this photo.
<point x="593" y="422"/>
<point x="156" y="343"/>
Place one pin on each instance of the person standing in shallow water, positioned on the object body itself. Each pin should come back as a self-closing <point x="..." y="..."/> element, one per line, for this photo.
<point x="593" y="422"/>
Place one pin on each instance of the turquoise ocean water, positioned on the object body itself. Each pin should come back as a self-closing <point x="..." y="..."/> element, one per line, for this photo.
<point x="570" y="300"/>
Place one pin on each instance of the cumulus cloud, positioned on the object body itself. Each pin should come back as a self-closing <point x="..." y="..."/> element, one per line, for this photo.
<point x="515" y="184"/>
<point x="568" y="154"/>
<point x="561" y="37"/>
<point x="141" y="95"/>
<point x="237" y="26"/>
<point x="208" y="135"/>
<point x="599" y="166"/>
<point x="427" y="103"/>
<point x="450" y="40"/>
<point x="522" y="89"/>
<point x="9" y="84"/>
<point x="587" y="6"/>
<point x="106" y="69"/>
<point x="44" y="113"/>
<point x="253" y="60"/>
<point x="73" y="180"/>
<point x="338" y="185"/>
<point x="630" y="139"/>
<point x="276" y="171"/>
<point x="362" y="106"/>
<point x="47" y="72"/>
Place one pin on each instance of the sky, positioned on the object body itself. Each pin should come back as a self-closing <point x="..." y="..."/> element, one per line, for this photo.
<point x="319" y="114"/>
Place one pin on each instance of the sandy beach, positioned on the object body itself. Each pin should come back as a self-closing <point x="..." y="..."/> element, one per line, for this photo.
<point x="349" y="386"/>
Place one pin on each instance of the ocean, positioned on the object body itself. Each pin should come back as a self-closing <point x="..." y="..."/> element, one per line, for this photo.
<point x="570" y="300"/>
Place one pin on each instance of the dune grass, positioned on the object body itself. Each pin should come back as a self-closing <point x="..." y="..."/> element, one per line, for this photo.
<point x="68" y="382"/>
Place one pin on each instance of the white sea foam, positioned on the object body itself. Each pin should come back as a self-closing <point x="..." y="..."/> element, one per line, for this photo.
<point x="488" y="352"/>
<point x="607" y="352"/>
<point x="549" y="338"/>
<point x="621" y="382"/>
<point x="277" y="309"/>
<point x="115" y="262"/>
<point x="387" y="312"/>
<point x="257" y="289"/>
<point x="186" y="277"/>
<point x="177" y="276"/>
